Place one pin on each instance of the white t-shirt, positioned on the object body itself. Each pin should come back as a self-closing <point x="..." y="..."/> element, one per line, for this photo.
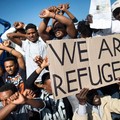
<point x="32" y="50"/>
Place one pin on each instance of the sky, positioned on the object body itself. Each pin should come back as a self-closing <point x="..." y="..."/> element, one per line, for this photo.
<point x="27" y="11"/>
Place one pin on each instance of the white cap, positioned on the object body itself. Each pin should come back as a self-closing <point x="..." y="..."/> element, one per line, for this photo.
<point x="115" y="5"/>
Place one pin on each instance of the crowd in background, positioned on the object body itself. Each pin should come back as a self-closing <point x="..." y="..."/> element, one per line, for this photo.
<point x="25" y="84"/>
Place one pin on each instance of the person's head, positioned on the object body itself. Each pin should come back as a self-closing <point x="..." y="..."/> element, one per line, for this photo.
<point x="10" y="65"/>
<point x="6" y="91"/>
<point x="84" y="29"/>
<point x="116" y="9"/>
<point x="32" y="33"/>
<point x="59" y="30"/>
<point x="93" y="98"/>
<point x="46" y="82"/>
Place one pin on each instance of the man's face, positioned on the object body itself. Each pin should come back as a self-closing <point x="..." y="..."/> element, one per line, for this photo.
<point x="59" y="30"/>
<point x="96" y="100"/>
<point x="10" y="67"/>
<point x="4" y="97"/>
<point x="32" y="35"/>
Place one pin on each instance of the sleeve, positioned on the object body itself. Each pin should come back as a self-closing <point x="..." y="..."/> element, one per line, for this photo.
<point x="76" y="116"/>
<point x="82" y="110"/>
<point x="29" y="107"/>
<point x="113" y="104"/>
<point x="115" y="27"/>
<point x="31" y="80"/>
<point x="4" y="35"/>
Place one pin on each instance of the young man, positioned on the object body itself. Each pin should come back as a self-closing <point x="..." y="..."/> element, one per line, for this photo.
<point x="94" y="107"/>
<point x="33" y="46"/>
<point x="14" y="67"/>
<point x="17" y="106"/>
<point x="55" y="109"/>
<point x="63" y="27"/>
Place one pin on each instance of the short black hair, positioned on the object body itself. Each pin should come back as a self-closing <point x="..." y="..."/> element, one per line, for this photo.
<point x="84" y="28"/>
<point x="29" y="26"/>
<point x="10" y="59"/>
<point x="8" y="86"/>
<point x="116" y="12"/>
<point x="45" y="77"/>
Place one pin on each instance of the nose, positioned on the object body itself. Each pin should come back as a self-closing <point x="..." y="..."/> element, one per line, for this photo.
<point x="9" y="68"/>
<point x="31" y="35"/>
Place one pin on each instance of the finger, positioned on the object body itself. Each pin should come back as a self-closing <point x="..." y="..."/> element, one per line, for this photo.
<point x="34" y="95"/>
<point x="83" y="93"/>
<point x="13" y="97"/>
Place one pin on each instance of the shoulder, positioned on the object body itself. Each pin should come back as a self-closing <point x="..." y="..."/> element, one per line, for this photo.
<point x="41" y="42"/>
<point x="105" y="99"/>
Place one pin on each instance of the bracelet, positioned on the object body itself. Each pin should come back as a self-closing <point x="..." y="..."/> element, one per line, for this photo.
<point x="11" y="51"/>
<point x="54" y="16"/>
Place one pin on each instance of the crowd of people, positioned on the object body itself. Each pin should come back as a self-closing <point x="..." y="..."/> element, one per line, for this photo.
<point x="25" y="84"/>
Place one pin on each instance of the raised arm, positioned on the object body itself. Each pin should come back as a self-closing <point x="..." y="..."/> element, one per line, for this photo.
<point x="5" y="111"/>
<point x="81" y="113"/>
<point x="64" y="8"/>
<point x="70" y="28"/>
<point x="42" y="29"/>
<point x="42" y="63"/>
<point x="29" y="95"/>
<point x="15" y="53"/>
<point x="14" y="36"/>
<point x="13" y="101"/>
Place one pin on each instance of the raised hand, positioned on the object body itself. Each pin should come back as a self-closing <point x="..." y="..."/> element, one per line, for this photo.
<point x="7" y="43"/>
<point x="38" y="59"/>
<point x="53" y="9"/>
<point x="29" y="94"/>
<point x="45" y="13"/>
<point x="82" y="96"/>
<point x="41" y="62"/>
<point x="64" y="7"/>
<point x="45" y="62"/>
<point x="17" y="99"/>
<point x="19" y="25"/>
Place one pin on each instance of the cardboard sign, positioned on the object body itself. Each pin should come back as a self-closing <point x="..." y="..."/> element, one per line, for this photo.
<point x="79" y="63"/>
